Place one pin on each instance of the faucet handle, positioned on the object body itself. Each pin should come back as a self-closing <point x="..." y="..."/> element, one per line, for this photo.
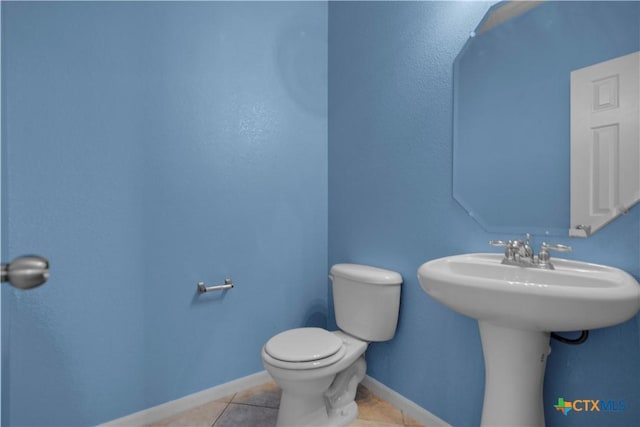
<point x="545" y="247"/>
<point x="544" y="257"/>
<point x="508" y="252"/>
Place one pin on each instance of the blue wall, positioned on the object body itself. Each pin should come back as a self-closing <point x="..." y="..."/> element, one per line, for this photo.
<point x="390" y="204"/>
<point x="150" y="146"/>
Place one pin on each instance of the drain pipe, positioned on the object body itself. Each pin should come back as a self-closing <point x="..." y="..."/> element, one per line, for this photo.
<point x="576" y="341"/>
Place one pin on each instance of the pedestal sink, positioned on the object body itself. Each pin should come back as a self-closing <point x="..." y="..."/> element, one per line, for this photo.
<point x="517" y="308"/>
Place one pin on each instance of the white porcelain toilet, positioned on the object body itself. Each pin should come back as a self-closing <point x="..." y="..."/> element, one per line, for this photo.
<point x="319" y="371"/>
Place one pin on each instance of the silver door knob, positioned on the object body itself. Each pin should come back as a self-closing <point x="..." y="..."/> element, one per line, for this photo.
<point x="26" y="272"/>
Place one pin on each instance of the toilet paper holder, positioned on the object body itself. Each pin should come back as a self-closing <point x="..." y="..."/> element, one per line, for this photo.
<point x="202" y="288"/>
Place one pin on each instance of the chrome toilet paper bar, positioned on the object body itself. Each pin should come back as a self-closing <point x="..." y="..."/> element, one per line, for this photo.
<point x="202" y="288"/>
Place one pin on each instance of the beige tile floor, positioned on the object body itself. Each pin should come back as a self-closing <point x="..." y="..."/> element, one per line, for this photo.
<point x="258" y="407"/>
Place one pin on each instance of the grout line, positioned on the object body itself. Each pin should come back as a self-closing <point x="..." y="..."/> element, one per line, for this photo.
<point x="254" y="405"/>
<point x="220" y="416"/>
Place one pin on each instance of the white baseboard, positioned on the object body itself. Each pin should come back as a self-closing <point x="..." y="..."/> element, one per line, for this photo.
<point x="409" y="407"/>
<point x="191" y="401"/>
<point x="194" y="400"/>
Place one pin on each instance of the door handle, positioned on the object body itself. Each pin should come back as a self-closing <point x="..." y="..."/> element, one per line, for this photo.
<point x="26" y="272"/>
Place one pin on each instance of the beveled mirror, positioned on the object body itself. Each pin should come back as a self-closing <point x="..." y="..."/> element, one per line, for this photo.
<point x="511" y="148"/>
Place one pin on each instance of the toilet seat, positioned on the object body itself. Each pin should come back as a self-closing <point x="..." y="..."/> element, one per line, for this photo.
<point x="304" y="348"/>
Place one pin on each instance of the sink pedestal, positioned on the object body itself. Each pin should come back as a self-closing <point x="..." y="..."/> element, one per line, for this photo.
<point x="514" y="362"/>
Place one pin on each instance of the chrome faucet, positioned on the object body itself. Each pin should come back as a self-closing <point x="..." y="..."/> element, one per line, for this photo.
<point x="519" y="252"/>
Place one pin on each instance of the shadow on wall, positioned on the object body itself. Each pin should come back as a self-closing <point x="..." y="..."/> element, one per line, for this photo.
<point x="316" y="315"/>
<point x="301" y="57"/>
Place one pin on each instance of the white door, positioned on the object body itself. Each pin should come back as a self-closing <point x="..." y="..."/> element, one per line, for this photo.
<point x="605" y="142"/>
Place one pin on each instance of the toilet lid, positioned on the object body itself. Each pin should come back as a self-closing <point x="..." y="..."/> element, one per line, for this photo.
<point x="303" y="345"/>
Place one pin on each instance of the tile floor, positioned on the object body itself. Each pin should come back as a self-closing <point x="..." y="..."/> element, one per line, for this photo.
<point x="258" y="407"/>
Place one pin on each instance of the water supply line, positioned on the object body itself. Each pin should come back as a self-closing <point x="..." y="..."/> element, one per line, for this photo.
<point x="571" y="341"/>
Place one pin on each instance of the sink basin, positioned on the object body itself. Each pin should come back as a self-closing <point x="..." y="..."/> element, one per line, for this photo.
<point x="574" y="296"/>
<point x="517" y="308"/>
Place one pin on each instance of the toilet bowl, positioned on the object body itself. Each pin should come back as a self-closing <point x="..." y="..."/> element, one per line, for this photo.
<point x="306" y="398"/>
<point x="319" y="371"/>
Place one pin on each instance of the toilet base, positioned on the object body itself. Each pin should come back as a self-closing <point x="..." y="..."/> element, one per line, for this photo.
<point x="298" y="412"/>
<point x="322" y="402"/>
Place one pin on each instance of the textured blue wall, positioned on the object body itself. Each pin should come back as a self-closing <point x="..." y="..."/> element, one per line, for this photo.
<point x="390" y="205"/>
<point x="150" y="146"/>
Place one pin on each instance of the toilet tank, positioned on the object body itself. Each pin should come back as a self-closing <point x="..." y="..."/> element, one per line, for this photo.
<point x="366" y="300"/>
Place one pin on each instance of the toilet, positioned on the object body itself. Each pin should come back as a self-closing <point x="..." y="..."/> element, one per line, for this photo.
<point x="319" y="371"/>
